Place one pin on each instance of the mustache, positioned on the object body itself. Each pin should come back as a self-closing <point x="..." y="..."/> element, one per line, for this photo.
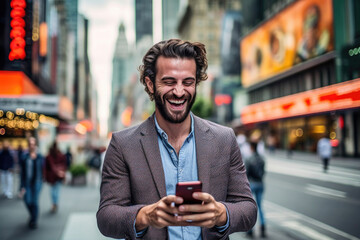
<point x="170" y="95"/>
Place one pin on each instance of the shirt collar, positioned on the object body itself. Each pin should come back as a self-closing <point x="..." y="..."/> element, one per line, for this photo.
<point x="163" y="134"/>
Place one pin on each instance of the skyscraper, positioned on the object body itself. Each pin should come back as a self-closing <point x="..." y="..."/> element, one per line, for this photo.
<point x="143" y="19"/>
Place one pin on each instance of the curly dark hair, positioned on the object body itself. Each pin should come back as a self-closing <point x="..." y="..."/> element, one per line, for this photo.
<point x="173" y="48"/>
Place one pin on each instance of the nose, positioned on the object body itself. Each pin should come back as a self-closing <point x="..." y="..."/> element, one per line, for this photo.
<point x="179" y="90"/>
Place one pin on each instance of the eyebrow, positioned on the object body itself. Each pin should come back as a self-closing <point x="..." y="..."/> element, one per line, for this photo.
<point x="172" y="78"/>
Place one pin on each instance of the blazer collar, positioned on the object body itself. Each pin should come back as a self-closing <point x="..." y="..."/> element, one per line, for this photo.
<point x="203" y="137"/>
<point x="150" y="146"/>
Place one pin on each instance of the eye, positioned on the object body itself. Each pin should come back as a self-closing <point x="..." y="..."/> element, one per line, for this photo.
<point x="169" y="82"/>
<point x="189" y="82"/>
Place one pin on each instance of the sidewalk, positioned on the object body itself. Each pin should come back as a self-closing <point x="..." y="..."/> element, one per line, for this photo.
<point x="75" y="219"/>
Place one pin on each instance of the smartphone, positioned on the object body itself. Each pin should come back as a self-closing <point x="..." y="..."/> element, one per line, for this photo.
<point x="186" y="189"/>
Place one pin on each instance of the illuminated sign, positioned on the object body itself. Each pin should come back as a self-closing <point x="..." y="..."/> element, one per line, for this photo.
<point x="17" y="33"/>
<point x="222" y="99"/>
<point x="335" y="97"/>
<point x="302" y="31"/>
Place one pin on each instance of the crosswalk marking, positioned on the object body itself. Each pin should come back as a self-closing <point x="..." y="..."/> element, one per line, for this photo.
<point x="313" y="171"/>
<point x="292" y="216"/>
<point x="311" y="233"/>
<point x="325" y="191"/>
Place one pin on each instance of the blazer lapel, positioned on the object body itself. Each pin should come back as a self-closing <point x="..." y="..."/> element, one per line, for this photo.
<point x="150" y="147"/>
<point x="203" y="136"/>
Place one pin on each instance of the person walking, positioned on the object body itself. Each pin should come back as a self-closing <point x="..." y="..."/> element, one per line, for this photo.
<point x="94" y="164"/>
<point x="55" y="169"/>
<point x="144" y="163"/>
<point x="324" y="150"/>
<point x="6" y="170"/>
<point x="31" y="165"/>
<point x="69" y="161"/>
<point x="255" y="170"/>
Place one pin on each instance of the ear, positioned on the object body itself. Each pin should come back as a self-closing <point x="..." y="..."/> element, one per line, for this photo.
<point x="149" y="84"/>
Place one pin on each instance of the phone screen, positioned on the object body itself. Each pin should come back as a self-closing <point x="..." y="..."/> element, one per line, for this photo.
<point x="186" y="189"/>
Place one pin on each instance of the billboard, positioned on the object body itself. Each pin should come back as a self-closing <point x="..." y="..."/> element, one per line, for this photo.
<point x="298" y="33"/>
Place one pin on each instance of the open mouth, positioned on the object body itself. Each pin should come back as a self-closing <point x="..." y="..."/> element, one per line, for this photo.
<point x="176" y="104"/>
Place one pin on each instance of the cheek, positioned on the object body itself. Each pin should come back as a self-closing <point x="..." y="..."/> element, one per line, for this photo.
<point x="191" y="90"/>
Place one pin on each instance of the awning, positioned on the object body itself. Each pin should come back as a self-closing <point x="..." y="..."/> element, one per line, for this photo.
<point x="16" y="83"/>
<point x="52" y="105"/>
<point x="18" y="91"/>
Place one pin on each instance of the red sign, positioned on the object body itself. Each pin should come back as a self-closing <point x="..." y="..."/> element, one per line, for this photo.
<point x="222" y="99"/>
<point x="17" y="33"/>
<point x="334" y="97"/>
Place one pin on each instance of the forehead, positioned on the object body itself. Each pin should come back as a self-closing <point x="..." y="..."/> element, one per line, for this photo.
<point x="175" y="66"/>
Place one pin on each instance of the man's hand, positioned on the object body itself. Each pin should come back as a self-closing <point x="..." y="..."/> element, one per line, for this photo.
<point x="208" y="214"/>
<point x="164" y="213"/>
<point x="160" y="214"/>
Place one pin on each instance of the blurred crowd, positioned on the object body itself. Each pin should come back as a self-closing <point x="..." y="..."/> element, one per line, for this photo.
<point x="23" y="170"/>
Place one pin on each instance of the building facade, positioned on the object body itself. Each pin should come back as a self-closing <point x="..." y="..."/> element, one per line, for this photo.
<point x="43" y="68"/>
<point x="300" y="72"/>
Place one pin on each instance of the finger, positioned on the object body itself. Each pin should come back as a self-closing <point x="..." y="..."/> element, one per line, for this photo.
<point x="171" y="208"/>
<point x="202" y="220"/>
<point x="168" y="218"/>
<point x="203" y="196"/>
<point x="172" y="198"/>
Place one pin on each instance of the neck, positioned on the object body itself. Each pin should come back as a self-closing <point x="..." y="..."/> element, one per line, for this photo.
<point x="174" y="130"/>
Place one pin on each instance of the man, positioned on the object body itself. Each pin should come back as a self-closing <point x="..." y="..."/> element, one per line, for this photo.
<point x="31" y="180"/>
<point x="143" y="163"/>
<point x="324" y="151"/>
<point x="255" y="170"/>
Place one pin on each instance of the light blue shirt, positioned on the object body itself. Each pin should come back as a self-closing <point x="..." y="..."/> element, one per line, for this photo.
<point x="180" y="168"/>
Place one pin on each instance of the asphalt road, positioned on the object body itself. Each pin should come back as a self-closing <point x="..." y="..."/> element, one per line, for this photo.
<point x="310" y="203"/>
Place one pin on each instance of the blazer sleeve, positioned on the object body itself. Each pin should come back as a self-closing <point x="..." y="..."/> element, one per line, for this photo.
<point x="239" y="201"/>
<point x="116" y="215"/>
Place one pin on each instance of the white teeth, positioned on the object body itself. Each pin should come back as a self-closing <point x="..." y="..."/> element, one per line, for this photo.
<point x="176" y="101"/>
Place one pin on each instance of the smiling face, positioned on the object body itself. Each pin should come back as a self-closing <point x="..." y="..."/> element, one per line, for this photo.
<point x="175" y="87"/>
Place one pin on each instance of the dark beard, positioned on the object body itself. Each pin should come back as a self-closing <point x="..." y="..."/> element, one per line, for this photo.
<point x="160" y="105"/>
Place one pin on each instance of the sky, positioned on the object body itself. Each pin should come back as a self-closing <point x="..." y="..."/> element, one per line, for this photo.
<point x="104" y="18"/>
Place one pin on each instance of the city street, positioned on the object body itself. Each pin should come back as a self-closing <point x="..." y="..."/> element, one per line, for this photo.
<point x="301" y="202"/>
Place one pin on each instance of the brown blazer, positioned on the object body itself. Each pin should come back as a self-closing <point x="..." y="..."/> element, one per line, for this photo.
<point x="133" y="176"/>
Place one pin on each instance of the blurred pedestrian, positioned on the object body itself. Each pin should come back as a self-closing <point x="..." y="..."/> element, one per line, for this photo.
<point x="69" y="157"/>
<point x="94" y="164"/>
<point x="19" y="156"/>
<point x="144" y="163"/>
<point x="69" y="160"/>
<point x="243" y="144"/>
<point x="255" y="170"/>
<point x="256" y="136"/>
<point x="271" y="142"/>
<point x="324" y="151"/>
<point x="31" y="180"/>
<point x="55" y="168"/>
<point x="7" y="170"/>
